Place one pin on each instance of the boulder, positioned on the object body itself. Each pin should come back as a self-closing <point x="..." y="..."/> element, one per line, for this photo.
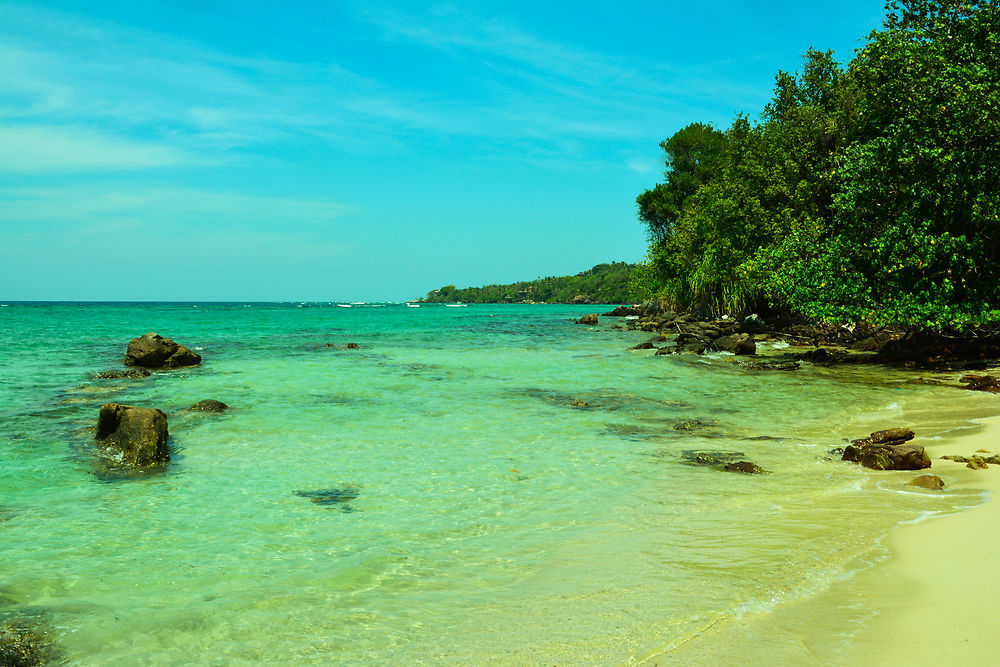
<point x="209" y="405"/>
<point x="353" y="346"/>
<point x="132" y="374"/>
<point x="134" y="437"/>
<point x="590" y="318"/>
<point x="152" y="350"/>
<point x="739" y="344"/>
<point x="932" y="482"/>
<point x="885" y="450"/>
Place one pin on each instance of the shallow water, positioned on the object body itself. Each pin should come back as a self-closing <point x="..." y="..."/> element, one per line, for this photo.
<point x="476" y="515"/>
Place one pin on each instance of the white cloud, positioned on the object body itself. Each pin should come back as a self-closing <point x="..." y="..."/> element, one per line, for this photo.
<point x="28" y="148"/>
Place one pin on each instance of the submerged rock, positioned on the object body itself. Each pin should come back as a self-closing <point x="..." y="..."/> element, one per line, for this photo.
<point x="767" y="365"/>
<point x="590" y="318"/>
<point x="745" y="467"/>
<point x="981" y="383"/>
<point x="335" y="496"/>
<point x="577" y="403"/>
<point x="209" y="405"/>
<point x="932" y="482"/>
<point x="132" y="374"/>
<point x="23" y="646"/>
<point x="152" y="350"/>
<point x="135" y="437"/>
<point x="353" y="346"/>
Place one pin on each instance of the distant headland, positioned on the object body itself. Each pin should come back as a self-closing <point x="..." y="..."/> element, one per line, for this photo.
<point x="605" y="283"/>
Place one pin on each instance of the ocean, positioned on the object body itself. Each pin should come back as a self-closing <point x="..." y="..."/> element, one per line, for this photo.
<point x="501" y="486"/>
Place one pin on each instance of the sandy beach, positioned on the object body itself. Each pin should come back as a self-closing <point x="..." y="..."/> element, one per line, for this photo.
<point x="937" y="601"/>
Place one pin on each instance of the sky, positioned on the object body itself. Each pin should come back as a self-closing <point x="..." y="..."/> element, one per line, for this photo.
<point x="358" y="151"/>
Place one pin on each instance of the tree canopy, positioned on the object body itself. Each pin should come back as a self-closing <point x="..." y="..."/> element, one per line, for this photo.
<point x="867" y="192"/>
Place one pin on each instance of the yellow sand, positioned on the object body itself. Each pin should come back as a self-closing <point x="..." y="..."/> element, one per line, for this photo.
<point x="940" y="599"/>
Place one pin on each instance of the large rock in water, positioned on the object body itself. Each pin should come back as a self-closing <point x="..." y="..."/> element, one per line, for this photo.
<point x="588" y="319"/>
<point x="152" y="350"/>
<point x="886" y="450"/>
<point x="135" y="437"/>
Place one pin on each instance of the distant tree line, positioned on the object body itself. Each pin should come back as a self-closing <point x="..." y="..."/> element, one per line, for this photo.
<point x="864" y="192"/>
<point x="605" y="283"/>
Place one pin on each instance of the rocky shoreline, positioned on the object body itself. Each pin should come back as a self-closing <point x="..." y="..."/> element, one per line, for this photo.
<point x="822" y="344"/>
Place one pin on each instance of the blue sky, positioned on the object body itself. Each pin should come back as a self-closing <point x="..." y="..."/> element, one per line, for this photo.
<point x="358" y="151"/>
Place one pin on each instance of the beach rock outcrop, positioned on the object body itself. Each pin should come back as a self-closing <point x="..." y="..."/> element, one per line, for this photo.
<point x="590" y="318"/>
<point x="886" y="450"/>
<point x="209" y="405"/>
<point x="623" y="311"/>
<point x="738" y="343"/>
<point x="133" y="437"/>
<point x="976" y="463"/>
<point x="932" y="482"/>
<point x="131" y="374"/>
<point x="152" y="350"/>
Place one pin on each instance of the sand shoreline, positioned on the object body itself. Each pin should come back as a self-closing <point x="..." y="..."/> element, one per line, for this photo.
<point x="938" y="601"/>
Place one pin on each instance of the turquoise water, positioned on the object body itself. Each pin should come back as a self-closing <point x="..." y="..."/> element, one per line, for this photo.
<point x="494" y="521"/>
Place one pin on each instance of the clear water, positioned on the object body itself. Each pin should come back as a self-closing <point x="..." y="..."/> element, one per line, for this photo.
<point x="494" y="523"/>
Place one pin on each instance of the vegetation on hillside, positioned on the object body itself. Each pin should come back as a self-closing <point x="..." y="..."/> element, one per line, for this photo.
<point x="605" y="283"/>
<point x="865" y="192"/>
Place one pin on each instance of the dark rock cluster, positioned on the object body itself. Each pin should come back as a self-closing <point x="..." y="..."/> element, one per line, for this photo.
<point x="887" y="450"/>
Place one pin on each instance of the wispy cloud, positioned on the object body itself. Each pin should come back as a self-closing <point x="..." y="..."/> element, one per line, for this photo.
<point x="90" y="211"/>
<point x="29" y="148"/>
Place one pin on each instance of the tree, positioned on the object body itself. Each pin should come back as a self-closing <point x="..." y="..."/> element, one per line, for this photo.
<point x="692" y="157"/>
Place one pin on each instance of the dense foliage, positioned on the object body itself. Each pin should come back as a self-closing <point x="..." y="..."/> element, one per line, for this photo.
<point x="870" y="192"/>
<point x="605" y="283"/>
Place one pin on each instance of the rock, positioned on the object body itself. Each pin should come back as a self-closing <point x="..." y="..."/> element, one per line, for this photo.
<point x="209" y="405"/>
<point x="739" y="344"/>
<point x="132" y="374"/>
<point x="885" y="450"/>
<point x="956" y="459"/>
<point x="664" y="350"/>
<point x="22" y="646"/>
<point x="932" y="482"/>
<point x="889" y="436"/>
<point x="753" y="323"/>
<point x="152" y="350"/>
<point x="335" y="496"/>
<point x="977" y="463"/>
<point x="767" y="365"/>
<point x="981" y="383"/>
<point x="623" y="311"/>
<point x="577" y="403"/>
<point x="353" y="346"/>
<point x="745" y="467"/>
<point x="648" y="345"/>
<point x="588" y="319"/>
<point x="982" y="451"/>
<point x="136" y="437"/>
